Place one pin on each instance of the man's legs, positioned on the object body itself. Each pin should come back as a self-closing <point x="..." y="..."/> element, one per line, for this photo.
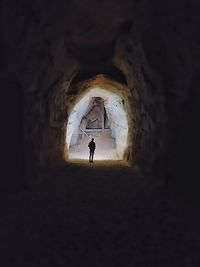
<point x="92" y="155"/>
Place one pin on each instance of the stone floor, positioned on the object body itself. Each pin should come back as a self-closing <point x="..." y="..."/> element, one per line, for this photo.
<point x="105" y="148"/>
<point x="97" y="215"/>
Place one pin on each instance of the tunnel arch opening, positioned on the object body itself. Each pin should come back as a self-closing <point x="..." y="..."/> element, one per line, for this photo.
<point x="100" y="114"/>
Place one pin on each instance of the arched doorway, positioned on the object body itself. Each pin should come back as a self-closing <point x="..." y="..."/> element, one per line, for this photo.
<point x="99" y="114"/>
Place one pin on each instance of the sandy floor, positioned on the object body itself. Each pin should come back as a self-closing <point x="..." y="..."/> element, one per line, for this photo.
<point x="97" y="215"/>
<point x="105" y="149"/>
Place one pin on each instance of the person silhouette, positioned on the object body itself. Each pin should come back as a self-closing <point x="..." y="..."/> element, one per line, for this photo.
<point x="92" y="147"/>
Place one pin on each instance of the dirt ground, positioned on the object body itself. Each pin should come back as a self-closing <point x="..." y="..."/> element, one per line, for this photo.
<point x="99" y="214"/>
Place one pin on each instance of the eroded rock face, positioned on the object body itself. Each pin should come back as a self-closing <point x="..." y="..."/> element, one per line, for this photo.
<point x="151" y="46"/>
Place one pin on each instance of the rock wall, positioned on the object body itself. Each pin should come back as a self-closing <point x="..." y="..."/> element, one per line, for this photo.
<point x="12" y="157"/>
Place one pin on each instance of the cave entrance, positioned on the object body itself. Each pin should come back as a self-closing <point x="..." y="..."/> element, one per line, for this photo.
<point x="99" y="114"/>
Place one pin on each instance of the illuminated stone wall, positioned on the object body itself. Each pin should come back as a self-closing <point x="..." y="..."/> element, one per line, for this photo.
<point x="116" y="115"/>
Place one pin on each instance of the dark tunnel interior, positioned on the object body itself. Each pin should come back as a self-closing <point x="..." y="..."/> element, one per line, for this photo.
<point x="141" y="58"/>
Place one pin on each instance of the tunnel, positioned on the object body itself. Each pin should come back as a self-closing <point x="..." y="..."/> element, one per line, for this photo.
<point x="125" y="73"/>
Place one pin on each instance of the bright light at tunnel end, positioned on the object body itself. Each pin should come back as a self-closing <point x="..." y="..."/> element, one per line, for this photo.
<point x="118" y="124"/>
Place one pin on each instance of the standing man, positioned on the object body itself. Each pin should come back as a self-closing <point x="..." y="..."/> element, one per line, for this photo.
<point x="92" y="147"/>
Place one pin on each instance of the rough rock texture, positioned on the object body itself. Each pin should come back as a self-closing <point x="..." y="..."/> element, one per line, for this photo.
<point x="155" y="47"/>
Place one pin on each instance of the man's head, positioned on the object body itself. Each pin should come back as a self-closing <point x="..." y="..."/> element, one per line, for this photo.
<point x="92" y="139"/>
